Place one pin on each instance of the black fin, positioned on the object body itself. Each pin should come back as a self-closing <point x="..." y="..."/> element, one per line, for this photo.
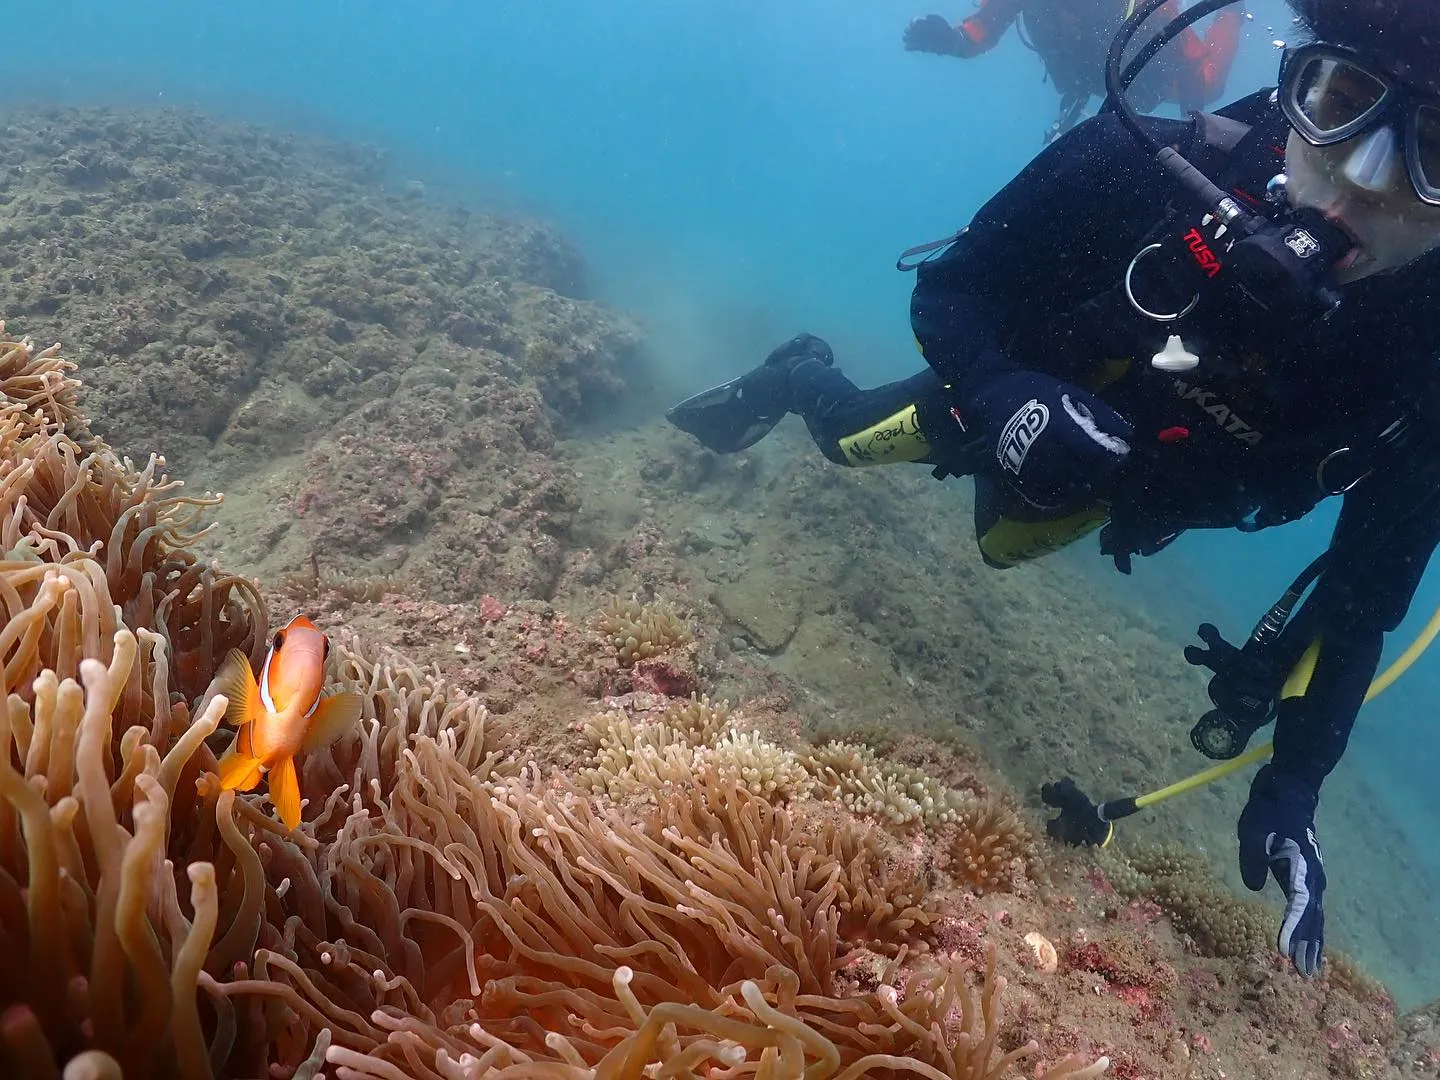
<point x="723" y="419"/>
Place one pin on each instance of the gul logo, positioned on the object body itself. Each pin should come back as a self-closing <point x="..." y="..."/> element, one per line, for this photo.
<point x="1301" y="243"/>
<point x="1020" y="433"/>
<point x="1200" y="251"/>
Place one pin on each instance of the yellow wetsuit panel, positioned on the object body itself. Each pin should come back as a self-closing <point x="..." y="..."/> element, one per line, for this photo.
<point x="1009" y="541"/>
<point x="896" y="438"/>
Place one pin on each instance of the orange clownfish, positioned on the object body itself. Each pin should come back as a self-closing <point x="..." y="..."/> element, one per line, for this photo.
<point x="281" y="714"/>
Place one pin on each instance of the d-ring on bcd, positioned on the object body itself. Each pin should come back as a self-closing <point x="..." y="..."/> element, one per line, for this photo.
<point x="1335" y="455"/>
<point x="1130" y="291"/>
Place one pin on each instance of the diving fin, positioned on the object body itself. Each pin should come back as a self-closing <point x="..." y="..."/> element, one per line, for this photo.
<point x="724" y="418"/>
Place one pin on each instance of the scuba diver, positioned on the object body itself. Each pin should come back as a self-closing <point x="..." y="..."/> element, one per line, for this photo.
<point x="1070" y="37"/>
<point x="1161" y="325"/>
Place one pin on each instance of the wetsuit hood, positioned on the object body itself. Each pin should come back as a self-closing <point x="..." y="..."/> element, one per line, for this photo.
<point x="1403" y="36"/>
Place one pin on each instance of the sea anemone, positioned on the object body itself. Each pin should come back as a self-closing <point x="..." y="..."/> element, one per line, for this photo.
<point x="445" y="909"/>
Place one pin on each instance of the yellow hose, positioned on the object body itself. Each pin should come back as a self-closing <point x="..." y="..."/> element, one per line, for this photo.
<point x="1295" y="686"/>
<point x="1404" y="660"/>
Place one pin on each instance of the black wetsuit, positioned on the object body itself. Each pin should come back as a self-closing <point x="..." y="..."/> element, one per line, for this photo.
<point x="1033" y="283"/>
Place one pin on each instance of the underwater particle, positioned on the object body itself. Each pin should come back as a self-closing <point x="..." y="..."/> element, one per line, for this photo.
<point x="1046" y="958"/>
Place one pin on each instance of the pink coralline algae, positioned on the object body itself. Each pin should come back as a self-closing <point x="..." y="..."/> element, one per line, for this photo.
<point x="662" y="675"/>
<point x="491" y="610"/>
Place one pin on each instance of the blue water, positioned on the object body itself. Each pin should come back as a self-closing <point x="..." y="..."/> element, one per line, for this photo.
<point x="735" y="170"/>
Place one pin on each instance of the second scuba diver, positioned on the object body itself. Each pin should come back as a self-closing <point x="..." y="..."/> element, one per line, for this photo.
<point x="1116" y="343"/>
<point x="1070" y="37"/>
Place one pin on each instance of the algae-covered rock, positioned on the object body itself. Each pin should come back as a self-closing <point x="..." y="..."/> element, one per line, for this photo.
<point x="768" y="617"/>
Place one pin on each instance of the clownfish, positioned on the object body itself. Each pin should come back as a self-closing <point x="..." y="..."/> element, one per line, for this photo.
<point x="281" y="714"/>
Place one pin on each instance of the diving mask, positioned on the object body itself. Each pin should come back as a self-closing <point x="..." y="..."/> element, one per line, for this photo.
<point x="1331" y="94"/>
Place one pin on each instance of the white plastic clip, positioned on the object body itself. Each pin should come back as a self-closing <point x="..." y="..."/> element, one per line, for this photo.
<point x="1174" y="357"/>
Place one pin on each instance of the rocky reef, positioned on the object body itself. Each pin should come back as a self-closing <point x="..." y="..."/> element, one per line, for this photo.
<point x="262" y="312"/>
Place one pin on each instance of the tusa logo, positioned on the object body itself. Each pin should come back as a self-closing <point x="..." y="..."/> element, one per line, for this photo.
<point x="1201" y="253"/>
<point x="1020" y="433"/>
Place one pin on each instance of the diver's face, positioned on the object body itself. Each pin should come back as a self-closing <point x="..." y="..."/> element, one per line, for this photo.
<point x="1391" y="227"/>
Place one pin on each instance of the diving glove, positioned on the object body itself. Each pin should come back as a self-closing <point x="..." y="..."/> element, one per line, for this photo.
<point x="1277" y="837"/>
<point x="1057" y="446"/>
<point x="1129" y="534"/>
<point x="932" y="34"/>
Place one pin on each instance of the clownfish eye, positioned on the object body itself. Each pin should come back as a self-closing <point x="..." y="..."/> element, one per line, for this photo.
<point x="279" y="640"/>
<point x="325" y="653"/>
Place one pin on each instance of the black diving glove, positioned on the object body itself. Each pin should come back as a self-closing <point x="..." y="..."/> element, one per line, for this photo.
<point x="1056" y="444"/>
<point x="932" y="34"/>
<point x="1243" y="689"/>
<point x="1129" y="535"/>
<point x="1277" y="834"/>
